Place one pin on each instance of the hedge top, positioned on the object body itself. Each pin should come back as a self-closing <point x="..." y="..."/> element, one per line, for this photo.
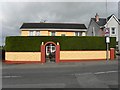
<point x="33" y="43"/>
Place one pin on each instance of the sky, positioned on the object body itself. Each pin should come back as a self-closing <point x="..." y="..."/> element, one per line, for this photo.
<point x="14" y="14"/>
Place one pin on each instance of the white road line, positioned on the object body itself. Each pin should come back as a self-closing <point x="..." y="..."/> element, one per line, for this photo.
<point x="111" y="71"/>
<point x="95" y="73"/>
<point x="11" y="76"/>
<point x="105" y="72"/>
<point x="82" y="73"/>
<point x="99" y="72"/>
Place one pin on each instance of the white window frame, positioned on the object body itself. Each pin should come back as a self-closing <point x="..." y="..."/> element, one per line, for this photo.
<point x="77" y="33"/>
<point x="37" y="33"/>
<point x="30" y="33"/>
<point x="53" y="33"/>
<point x="34" y="33"/>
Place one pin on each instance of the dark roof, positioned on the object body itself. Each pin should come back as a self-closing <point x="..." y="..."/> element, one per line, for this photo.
<point x="109" y="17"/>
<point x="119" y="20"/>
<point x="101" y="22"/>
<point x="52" y="26"/>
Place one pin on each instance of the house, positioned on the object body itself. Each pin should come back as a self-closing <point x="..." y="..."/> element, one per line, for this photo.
<point x="53" y="29"/>
<point x="55" y="42"/>
<point x="97" y="26"/>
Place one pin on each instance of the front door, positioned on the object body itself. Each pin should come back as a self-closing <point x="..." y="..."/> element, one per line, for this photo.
<point x="50" y="53"/>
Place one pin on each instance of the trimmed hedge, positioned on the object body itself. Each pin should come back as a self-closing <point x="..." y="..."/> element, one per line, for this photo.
<point x="33" y="43"/>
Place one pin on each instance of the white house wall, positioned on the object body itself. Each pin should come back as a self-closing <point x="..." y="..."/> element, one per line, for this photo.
<point x="119" y="36"/>
<point x="113" y="23"/>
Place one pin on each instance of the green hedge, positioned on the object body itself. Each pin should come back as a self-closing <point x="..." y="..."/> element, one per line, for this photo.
<point x="32" y="43"/>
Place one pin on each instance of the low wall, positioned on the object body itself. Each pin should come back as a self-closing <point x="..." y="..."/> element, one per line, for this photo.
<point x="63" y="56"/>
<point x="23" y="56"/>
<point x="83" y="55"/>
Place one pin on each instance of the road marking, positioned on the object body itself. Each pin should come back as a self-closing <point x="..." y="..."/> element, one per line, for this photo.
<point x="99" y="72"/>
<point x="95" y="73"/>
<point x="82" y="73"/>
<point x="46" y="85"/>
<point x="11" y="76"/>
<point x="111" y="71"/>
<point x="105" y="72"/>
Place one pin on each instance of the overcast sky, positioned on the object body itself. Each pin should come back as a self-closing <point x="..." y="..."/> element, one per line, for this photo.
<point x="14" y="14"/>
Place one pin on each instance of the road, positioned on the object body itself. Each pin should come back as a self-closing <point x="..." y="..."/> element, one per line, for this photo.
<point x="95" y="74"/>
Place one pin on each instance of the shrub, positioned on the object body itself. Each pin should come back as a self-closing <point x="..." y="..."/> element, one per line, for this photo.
<point x="33" y="43"/>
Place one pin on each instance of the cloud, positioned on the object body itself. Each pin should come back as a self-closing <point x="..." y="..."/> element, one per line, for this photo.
<point x="16" y="13"/>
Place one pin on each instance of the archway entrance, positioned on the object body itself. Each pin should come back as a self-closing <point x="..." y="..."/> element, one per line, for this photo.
<point x="50" y="52"/>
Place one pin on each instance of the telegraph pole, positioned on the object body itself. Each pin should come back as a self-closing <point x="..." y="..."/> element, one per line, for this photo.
<point x="107" y="42"/>
<point x="107" y="35"/>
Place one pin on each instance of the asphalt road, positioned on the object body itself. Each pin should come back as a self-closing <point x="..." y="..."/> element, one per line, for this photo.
<point x="95" y="74"/>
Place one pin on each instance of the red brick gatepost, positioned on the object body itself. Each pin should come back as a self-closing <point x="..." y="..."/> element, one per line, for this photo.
<point x="57" y="53"/>
<point x="112" y="53"/>
<point x="42" y="53"/>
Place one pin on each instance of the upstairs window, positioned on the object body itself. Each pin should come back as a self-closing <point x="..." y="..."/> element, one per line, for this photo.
<point x="113" y="30"/>
<point x="77" y="33"/>
<point x="30" y="33"/>
<point x="34" y="33"/>
<point x="52" y="33"/>
<point x="37" y="33"/>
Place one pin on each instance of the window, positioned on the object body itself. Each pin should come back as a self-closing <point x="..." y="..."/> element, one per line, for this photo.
<point x="34" y="33"/>
<point x="37" y="33"/>
<point x="52" y="33"/>
<point x="62" y="34"/>
<point x="77" y="33"/>
<point x="113" y="30"/>
<point x="30" y="33"/>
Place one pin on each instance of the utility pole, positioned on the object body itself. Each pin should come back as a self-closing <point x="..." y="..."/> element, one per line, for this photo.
<point x="107" y="35"/>
<point x="107" y="43"/>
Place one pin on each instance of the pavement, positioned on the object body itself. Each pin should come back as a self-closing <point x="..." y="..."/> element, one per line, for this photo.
<point x="61" y="64"/>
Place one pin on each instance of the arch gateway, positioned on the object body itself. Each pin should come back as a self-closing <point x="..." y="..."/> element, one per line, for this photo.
<point x="50" y="51"/>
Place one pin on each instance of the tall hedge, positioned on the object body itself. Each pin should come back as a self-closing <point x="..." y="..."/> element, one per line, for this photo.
<point x="32" y="43"/>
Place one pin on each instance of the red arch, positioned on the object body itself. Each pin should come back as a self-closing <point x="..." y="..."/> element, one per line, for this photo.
<point x="50" y="43"/>
<point x="57" y="53"/>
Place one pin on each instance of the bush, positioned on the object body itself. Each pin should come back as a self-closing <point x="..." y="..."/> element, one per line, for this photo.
<point x="33" y="43"/>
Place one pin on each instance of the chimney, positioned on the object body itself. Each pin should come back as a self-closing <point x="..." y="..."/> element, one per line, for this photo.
<point x="96" y="17"/>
